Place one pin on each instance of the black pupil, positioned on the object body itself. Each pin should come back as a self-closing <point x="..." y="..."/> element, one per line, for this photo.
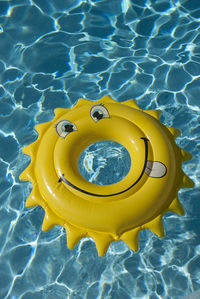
<point x="68" y="128"/>
<point x="98" y="115"/>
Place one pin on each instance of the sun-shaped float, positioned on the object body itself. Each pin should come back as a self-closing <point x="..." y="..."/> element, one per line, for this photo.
<point x="110" y="212"/>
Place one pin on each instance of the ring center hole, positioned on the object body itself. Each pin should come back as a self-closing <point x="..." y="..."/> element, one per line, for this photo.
<point x="104" y="162"/>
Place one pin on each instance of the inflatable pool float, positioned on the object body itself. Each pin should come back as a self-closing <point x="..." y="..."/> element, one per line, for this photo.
<point x="113" y="212"/>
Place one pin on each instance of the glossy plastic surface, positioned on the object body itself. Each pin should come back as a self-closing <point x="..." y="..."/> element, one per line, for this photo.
<point x="110" y="212"/>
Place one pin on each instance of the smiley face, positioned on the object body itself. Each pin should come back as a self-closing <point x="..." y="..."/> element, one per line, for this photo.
<point x="109" y="212"/>
<point x="99" y="113"/>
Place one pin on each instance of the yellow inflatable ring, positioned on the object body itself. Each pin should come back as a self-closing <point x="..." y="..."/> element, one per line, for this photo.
<point x="110" y="212"/>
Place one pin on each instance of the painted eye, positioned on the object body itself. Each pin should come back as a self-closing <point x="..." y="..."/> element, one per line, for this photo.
<point x="98" y="112"/>
<point x="64" y="127"/>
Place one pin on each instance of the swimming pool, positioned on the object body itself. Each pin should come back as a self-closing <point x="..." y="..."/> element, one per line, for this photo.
<point x="51" y="54"/>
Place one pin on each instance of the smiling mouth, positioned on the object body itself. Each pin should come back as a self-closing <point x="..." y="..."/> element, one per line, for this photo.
<point x="63" y="179"/>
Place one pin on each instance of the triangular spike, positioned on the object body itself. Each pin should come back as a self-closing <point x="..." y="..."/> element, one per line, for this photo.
<point x="132" y="103"/>
<point x="30" y="202"/>
<point x="34" y="198"/>
<point x="187" y="182"/>
<point x="175" y="132"/>
<point x="186" y="155"/>
<point x="176" y="207"/>
<point x="107" y="99"/>
<point x="81" y="102"/>
<point x="156" y="226"/>
<point x="155" y="113"/>
<point x="24" y="176"/>
<point x="28" y="174"/>
<point x="50" y="219"/>
<point x="41" y="128"/>
<point x="102" y="242"/>
<point x="60" y="111"/>
<point x="131" y="238"/>
<point x="30" y="149"/>
<point x="74" y="235"/>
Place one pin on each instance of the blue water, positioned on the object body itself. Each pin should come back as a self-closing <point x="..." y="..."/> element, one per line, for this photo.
<point x="51" y="54"/>
<point x="104" y="162"/>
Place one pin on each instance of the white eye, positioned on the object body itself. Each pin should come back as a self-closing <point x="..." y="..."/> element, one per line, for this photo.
<point x="98" y="112"/>
<point x="64" y="127"/>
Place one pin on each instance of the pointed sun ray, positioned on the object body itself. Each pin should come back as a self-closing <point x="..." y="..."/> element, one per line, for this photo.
<point x="31" y="148"/>
<point x="74" y="235"/>
<point x="107" y="99"/>
<point x="185" y="155"/>
<point x="187" y="182"/>
<point x="81" y="102"/>
<point x="175" y="132"/>
<point x="28" y="174"/>
<point x="156" y="226"/>
<point x="50" y="220"/>
<point x="176" y="207"/>
<point x="41" y="128"/>
<point x="131" y="238"/>
<point x="35" y="198"/>
<point x="155" y="113"/>
<point x="132" y="103"/>
<point x="60" y="111"/>
<point x="102" y="241"/>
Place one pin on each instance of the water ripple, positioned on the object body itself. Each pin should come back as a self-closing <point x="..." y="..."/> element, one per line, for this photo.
<point x="51" y="54"/>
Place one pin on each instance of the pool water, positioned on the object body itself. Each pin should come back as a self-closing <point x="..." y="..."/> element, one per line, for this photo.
<point x="54" y="52"/>
<point x="104" y="163"/>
